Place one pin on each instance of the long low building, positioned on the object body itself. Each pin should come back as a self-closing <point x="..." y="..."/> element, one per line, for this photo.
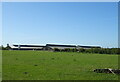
<point x="49" y="47"/>
<point x="88" y="47"/>
<point x="52" y="46"/>
<point x="27" y="47"/>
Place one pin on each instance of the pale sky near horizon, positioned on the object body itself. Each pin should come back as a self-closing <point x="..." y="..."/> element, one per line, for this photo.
<point x="81" y="23"/>
<point x="60" y="0"/>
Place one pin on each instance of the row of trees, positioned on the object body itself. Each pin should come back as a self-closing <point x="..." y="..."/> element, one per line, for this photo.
<point x="82" y="50"/>
<point x="5" y="48"/>
<point x="91" y="50"/>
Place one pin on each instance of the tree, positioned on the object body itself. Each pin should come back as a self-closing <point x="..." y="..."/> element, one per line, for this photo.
<point x="8" y="47"/>
<point x="2" y="47"/>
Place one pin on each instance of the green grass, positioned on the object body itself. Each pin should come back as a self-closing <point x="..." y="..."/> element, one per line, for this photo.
<point x="56" y="65"/>
<point x="0" y="65"/>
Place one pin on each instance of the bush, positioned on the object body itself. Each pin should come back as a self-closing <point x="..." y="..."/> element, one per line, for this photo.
<point x="56" y="50"/>
<point x="67" y="49"/>
<point x="2" y="48"/>
<point x="81" y="50"/>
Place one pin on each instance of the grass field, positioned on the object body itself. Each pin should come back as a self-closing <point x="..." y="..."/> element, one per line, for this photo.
<point x="0" y="65"/>
<point x="44" y="65"/>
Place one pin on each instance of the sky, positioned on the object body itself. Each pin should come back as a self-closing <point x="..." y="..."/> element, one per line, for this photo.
<point x="60" y="0"/>
<point x="0" y="23"/>
<point x="79" y="23"/>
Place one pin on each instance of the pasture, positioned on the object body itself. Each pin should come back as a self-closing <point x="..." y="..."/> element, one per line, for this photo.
<point x="45" y="65"/>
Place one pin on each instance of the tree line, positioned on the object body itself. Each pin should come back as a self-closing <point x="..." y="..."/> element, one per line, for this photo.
<point x="82" y="50"/>
<point x="91" y="50"/>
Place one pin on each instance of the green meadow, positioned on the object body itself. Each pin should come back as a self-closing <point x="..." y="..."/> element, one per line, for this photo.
<point x="45" y="65"/>
<point x="0" y="65"/>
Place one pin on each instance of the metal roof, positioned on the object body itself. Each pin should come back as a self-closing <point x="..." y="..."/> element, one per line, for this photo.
<point x="28" y="46"/>
<point x="56" y="45"/>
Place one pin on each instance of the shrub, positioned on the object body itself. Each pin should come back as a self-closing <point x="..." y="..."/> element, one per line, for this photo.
<point x="56" y="50"/>
<point x="81" y="50"/>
